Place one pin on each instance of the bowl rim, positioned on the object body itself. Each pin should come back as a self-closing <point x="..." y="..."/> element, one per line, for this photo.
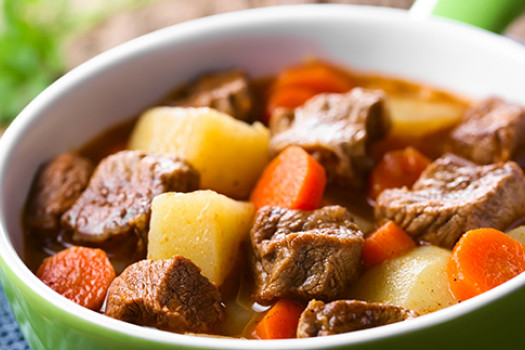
<point x="10" y="260"/>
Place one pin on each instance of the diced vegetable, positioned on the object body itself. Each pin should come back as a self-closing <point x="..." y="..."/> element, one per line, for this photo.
<point x="412" y="117"/>
<point x="518" y="233"/>
<point x="80" y="274"/>
<point x="387" y="242"/>
<point x="397" y="169"/>
<point x="483" y="259"/>
<point x="292" y="180"/>
<point x="280" y="321"/>
<point x="295" y="85"/>
<point x="203" y="226"/>
<point x="228" y="153"/>
<point x="416" y="281"/>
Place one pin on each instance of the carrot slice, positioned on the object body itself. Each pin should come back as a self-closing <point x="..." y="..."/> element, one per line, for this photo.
<point x="387" y="242"/>
<point x="288" y="97"/>
<point x="396" y="169"/>
<point x="80" y="274"/>
<point x="280" y="322"/>
<point x="315" y="76"/>
<point x="292" y="180"/>
<point x="483" y="259"/>
<point x="295" y="85"/>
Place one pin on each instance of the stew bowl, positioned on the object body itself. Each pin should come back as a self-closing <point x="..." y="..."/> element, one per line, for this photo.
<point x="124" y="81"/>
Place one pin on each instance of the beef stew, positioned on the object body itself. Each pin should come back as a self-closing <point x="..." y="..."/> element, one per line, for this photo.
<point x="284" y="252"/>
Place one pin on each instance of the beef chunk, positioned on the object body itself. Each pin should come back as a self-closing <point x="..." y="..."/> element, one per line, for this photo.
<point x="227" y="92"/>
<point x="56" y="187"/>
<point x="491" y="131"/>
<point x="167" y="294"/>
<point x="336" y="129"/>
<point x="304" y="254"/>
<point x="118" y="198"/>
<point x="452" y="196"/>
<point x="341" y="316"/>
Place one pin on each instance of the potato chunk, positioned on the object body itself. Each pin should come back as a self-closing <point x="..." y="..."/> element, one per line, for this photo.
<point x="203" y="226"/>
<point x="417" y="118"/>
<point x="518" y="233"/>
<point x="228" y="153"/>
<point x="416" y="281"/>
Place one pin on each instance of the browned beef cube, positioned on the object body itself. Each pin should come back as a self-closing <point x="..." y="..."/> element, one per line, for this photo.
<point x="453" y="196"/>
<point x="491" y="131"/>
<point x="56" y="187"/>
<point x="227" y="92"/>
<point x="336" y="129"/>
<point x="118" y="198"/>
<point x="304" y="254"/>
<point x="341" y="316"/>
<point x="167" y="294"/>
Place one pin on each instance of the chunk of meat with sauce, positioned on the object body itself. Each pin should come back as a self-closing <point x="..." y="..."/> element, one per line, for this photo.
<point x="336" y="129"/>
<point x="226" y="91"/>
<point x="491" y="131"/>
<point x="453" y="196"/>
<point x="56" y="187"/>
<point x="341" y="316"/>
<point x="304" y="254"/>
<point x="167" y="294"/>
<point x="118" y="198"/>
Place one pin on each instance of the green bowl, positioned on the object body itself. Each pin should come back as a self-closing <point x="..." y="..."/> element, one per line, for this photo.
<point x="120" y="83"/>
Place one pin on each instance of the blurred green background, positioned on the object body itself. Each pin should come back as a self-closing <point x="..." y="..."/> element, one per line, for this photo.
<point x="32" y="34"/>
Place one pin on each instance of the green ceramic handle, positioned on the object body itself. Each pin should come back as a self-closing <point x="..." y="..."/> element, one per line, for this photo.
<point x="493" y="15"/>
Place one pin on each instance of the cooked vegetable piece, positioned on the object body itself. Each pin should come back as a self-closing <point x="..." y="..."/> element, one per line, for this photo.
<point x="295" y="85"/>
<point x="293" y="180"/>
<point x="80" y="274"/>
<point x="387" y="242"/>
<point x="397" y="169"/>
<point x="419" y="117"/>
<point x="416" y="281"/>
<point x="518" y="233"/>
<point x="280" y="321"/>
<point x="290" y="97"/>
<point x="483" y="259"/>
<point x="203" y="226"/>
<point x="228" y="153"/>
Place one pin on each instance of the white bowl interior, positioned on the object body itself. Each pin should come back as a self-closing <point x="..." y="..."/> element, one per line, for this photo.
<point x="122" y="82"/>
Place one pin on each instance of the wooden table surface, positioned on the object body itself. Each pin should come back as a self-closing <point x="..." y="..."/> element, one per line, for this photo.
<point x="162" y="13"/>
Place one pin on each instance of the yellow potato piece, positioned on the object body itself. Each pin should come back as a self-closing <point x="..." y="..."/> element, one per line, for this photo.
<point x="415" y="118"/>
<point x="228" y="153"/>
<point x="518" y="234"/>
<point x="203" y="226"/>
<point x="416" y="280"/>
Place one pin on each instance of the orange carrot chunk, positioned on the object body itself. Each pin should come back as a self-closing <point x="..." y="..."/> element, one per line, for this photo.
<point x="288" y="97"/>
<point x="80" y="274"/>
<point x="316" y="76"/>
<point x="292" y="180"/>
<point x="295" y="85"/>
<point x="280" y="322"/>
<point x="397" y="169"/>
<point x="387" y="242"/>
<point x="483" y="259"/>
